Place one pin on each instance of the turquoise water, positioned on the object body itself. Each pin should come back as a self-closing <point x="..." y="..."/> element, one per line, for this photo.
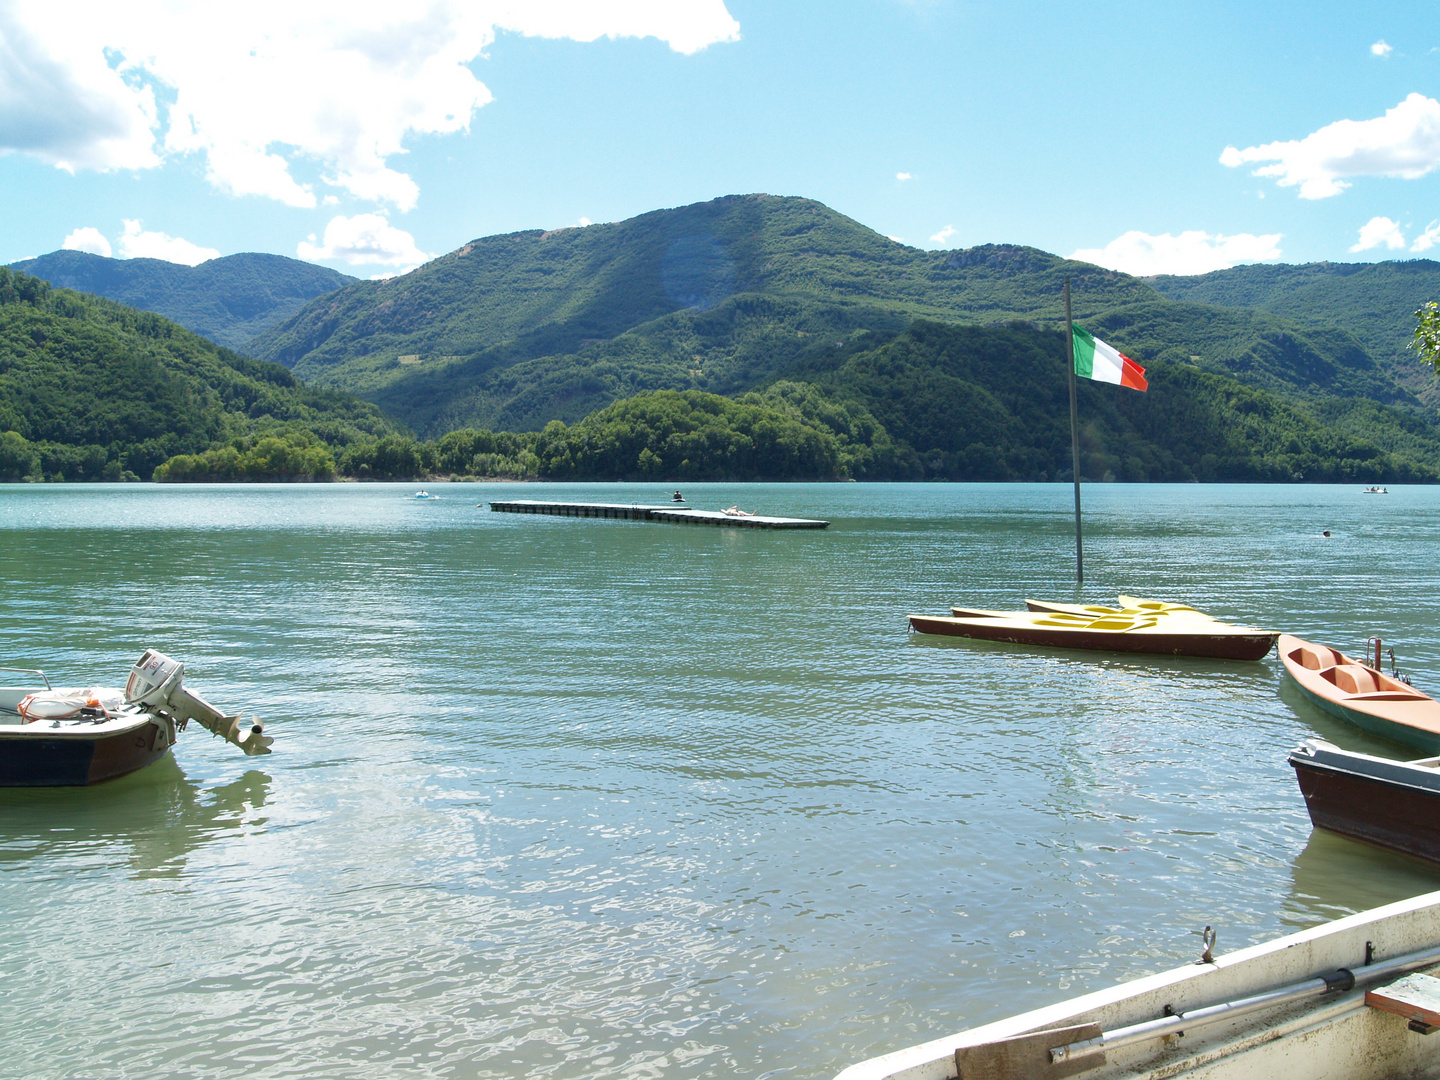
<point x="580" y="798"/>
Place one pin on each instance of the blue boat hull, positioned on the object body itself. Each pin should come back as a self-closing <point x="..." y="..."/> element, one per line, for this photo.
<point x="31" y="761"/>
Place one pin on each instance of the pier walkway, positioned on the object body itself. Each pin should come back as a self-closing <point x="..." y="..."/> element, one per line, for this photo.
<point x="674" y="514"/>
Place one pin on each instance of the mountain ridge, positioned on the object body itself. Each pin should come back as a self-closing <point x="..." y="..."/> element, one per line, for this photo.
<point x="728" y="295"/>
<point x="229" y="299"/>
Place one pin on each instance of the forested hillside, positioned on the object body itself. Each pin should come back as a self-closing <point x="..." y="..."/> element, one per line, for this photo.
<point x="93" y="390"/>
<point x="730" y="295"/>
<point x="992" y="403"/>
<point x="936" y="402"/>
<point x="1374" y="302"/>
<point x="228" y="300"/>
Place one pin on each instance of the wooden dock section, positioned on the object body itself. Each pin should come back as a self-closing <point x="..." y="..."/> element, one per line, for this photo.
<point x="673" y="514"/>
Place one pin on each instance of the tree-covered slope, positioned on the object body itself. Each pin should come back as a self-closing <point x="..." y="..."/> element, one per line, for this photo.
<point x="514" y="331"/>
<point x="992" y="403"/>
<point x="228" y="300"/>
<point x="1374" y="302"/>
<point x="91" y="389"/>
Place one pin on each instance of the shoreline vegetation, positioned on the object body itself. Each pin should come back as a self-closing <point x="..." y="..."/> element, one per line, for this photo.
<point x="91" y="390"/>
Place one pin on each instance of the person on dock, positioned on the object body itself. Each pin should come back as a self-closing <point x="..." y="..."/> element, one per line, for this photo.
<point x="735" y="511"/>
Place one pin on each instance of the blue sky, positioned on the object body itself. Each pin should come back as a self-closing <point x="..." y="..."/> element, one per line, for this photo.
<point x="369" y="140"/>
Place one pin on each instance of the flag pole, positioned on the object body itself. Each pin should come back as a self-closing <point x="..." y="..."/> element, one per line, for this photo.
<point x="1074" y="433"/>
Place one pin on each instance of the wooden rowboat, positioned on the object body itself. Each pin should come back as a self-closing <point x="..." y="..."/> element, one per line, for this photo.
<point x="1395" y="804"/>
<point x="1172" y="636"/>
<point x="1362" y="695"/>
<point x="1348" y="999"/>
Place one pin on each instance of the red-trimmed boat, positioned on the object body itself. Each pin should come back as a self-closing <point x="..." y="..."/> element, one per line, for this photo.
<point x="1362" y="695"/>
<point x="53" y="737"/>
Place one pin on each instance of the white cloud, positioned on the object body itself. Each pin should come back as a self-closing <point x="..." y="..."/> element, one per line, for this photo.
<point x="1405" y="143"/>
<point x="1380" y="48"/>
<point x="88" y="239"/>
<point x="138" y="244"/>
<point x="60" y="99"/>
<point x="1192" y="252"/>
<point x="335" y="86"/>
<point x="902" y="176"/>
<point x="687" y="26"/>
<point x="944" y="235"/>
<point x="365" y="239"/>
<point x="1428" y="239"/>
<point x="584" y="221"/>
<point x="1379" y="231"/>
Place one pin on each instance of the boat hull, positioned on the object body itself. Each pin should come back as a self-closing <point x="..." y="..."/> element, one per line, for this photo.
<point x="1343" y="794"/>
<point x="1190" y="642"/>
<point x="41" y="759"/>
<point x="1428" y="741"/>
<point x="1334" y="1037"/>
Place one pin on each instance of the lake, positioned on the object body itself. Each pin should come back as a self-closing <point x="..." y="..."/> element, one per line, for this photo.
<point x="569" y="798"/>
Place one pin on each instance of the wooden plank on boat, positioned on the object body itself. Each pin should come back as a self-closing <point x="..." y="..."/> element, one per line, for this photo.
<point x="1415" y="997"/>
<point x="1026" y="1057"/>
<point x="670" y="514"/>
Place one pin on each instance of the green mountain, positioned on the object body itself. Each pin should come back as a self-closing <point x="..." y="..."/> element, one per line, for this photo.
<point x="228" y="300"/>
<point x="1375" y="302"/>
<point x="510" y="332"/>
<point x="90" y="389"/>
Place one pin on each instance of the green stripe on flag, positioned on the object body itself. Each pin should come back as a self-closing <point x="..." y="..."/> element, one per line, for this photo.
<point x="1084" y="353"/>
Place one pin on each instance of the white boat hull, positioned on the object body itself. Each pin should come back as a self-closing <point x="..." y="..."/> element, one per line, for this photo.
<point x="1334" y="1035"/>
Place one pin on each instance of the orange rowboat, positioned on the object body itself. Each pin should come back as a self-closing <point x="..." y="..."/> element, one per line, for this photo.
<point x="1362" y="695"/>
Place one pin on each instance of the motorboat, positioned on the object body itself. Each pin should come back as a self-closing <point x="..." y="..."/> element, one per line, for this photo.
<point x="1351" y="999"/>
<point x="1119" y="632"/>
<point x="1362" y="695"/>
<point x="1395" y="804"/>
<point x="57" y="737"/>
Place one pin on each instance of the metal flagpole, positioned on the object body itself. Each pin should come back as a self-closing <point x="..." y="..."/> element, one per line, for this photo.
<point x="1074" y="433"/>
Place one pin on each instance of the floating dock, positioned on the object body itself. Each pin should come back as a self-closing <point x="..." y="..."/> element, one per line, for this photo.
<point x="674" y="514"/>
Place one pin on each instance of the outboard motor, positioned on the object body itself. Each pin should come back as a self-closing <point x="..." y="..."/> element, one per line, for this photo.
<point x="155" y="683"/>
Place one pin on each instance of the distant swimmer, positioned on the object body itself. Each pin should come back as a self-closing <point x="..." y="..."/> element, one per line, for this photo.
<point x="1325" y="533"/>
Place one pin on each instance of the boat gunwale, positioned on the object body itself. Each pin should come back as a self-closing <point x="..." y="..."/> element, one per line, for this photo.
<point x="1322" y="948"/>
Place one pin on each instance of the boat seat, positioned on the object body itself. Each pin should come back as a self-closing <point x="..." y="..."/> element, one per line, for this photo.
<point x="1353" y="679"/>
<point x="1309" y="658"/>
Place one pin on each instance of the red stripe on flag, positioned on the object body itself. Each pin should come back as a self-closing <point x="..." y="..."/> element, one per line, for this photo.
<point x="1132" y="374"/>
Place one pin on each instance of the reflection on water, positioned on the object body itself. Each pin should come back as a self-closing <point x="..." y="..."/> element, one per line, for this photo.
<point x="154" y="817"/>
<point x="590" y="798"/>
<point x="1335" y="876"/>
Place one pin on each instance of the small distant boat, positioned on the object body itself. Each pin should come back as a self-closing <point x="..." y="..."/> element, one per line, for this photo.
<point x="1341" y="1000"/>
<point x="1362" y="695"/>
<point x="1120" y="632"/>
<point x="1375" y="491"/>
<point x="1395" y="804"/>
<point x="422" y="494"/>
<point x="71" y="737"/>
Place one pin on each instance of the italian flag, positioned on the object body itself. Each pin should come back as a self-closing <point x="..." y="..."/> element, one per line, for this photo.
<point x="1096" y="360"/>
